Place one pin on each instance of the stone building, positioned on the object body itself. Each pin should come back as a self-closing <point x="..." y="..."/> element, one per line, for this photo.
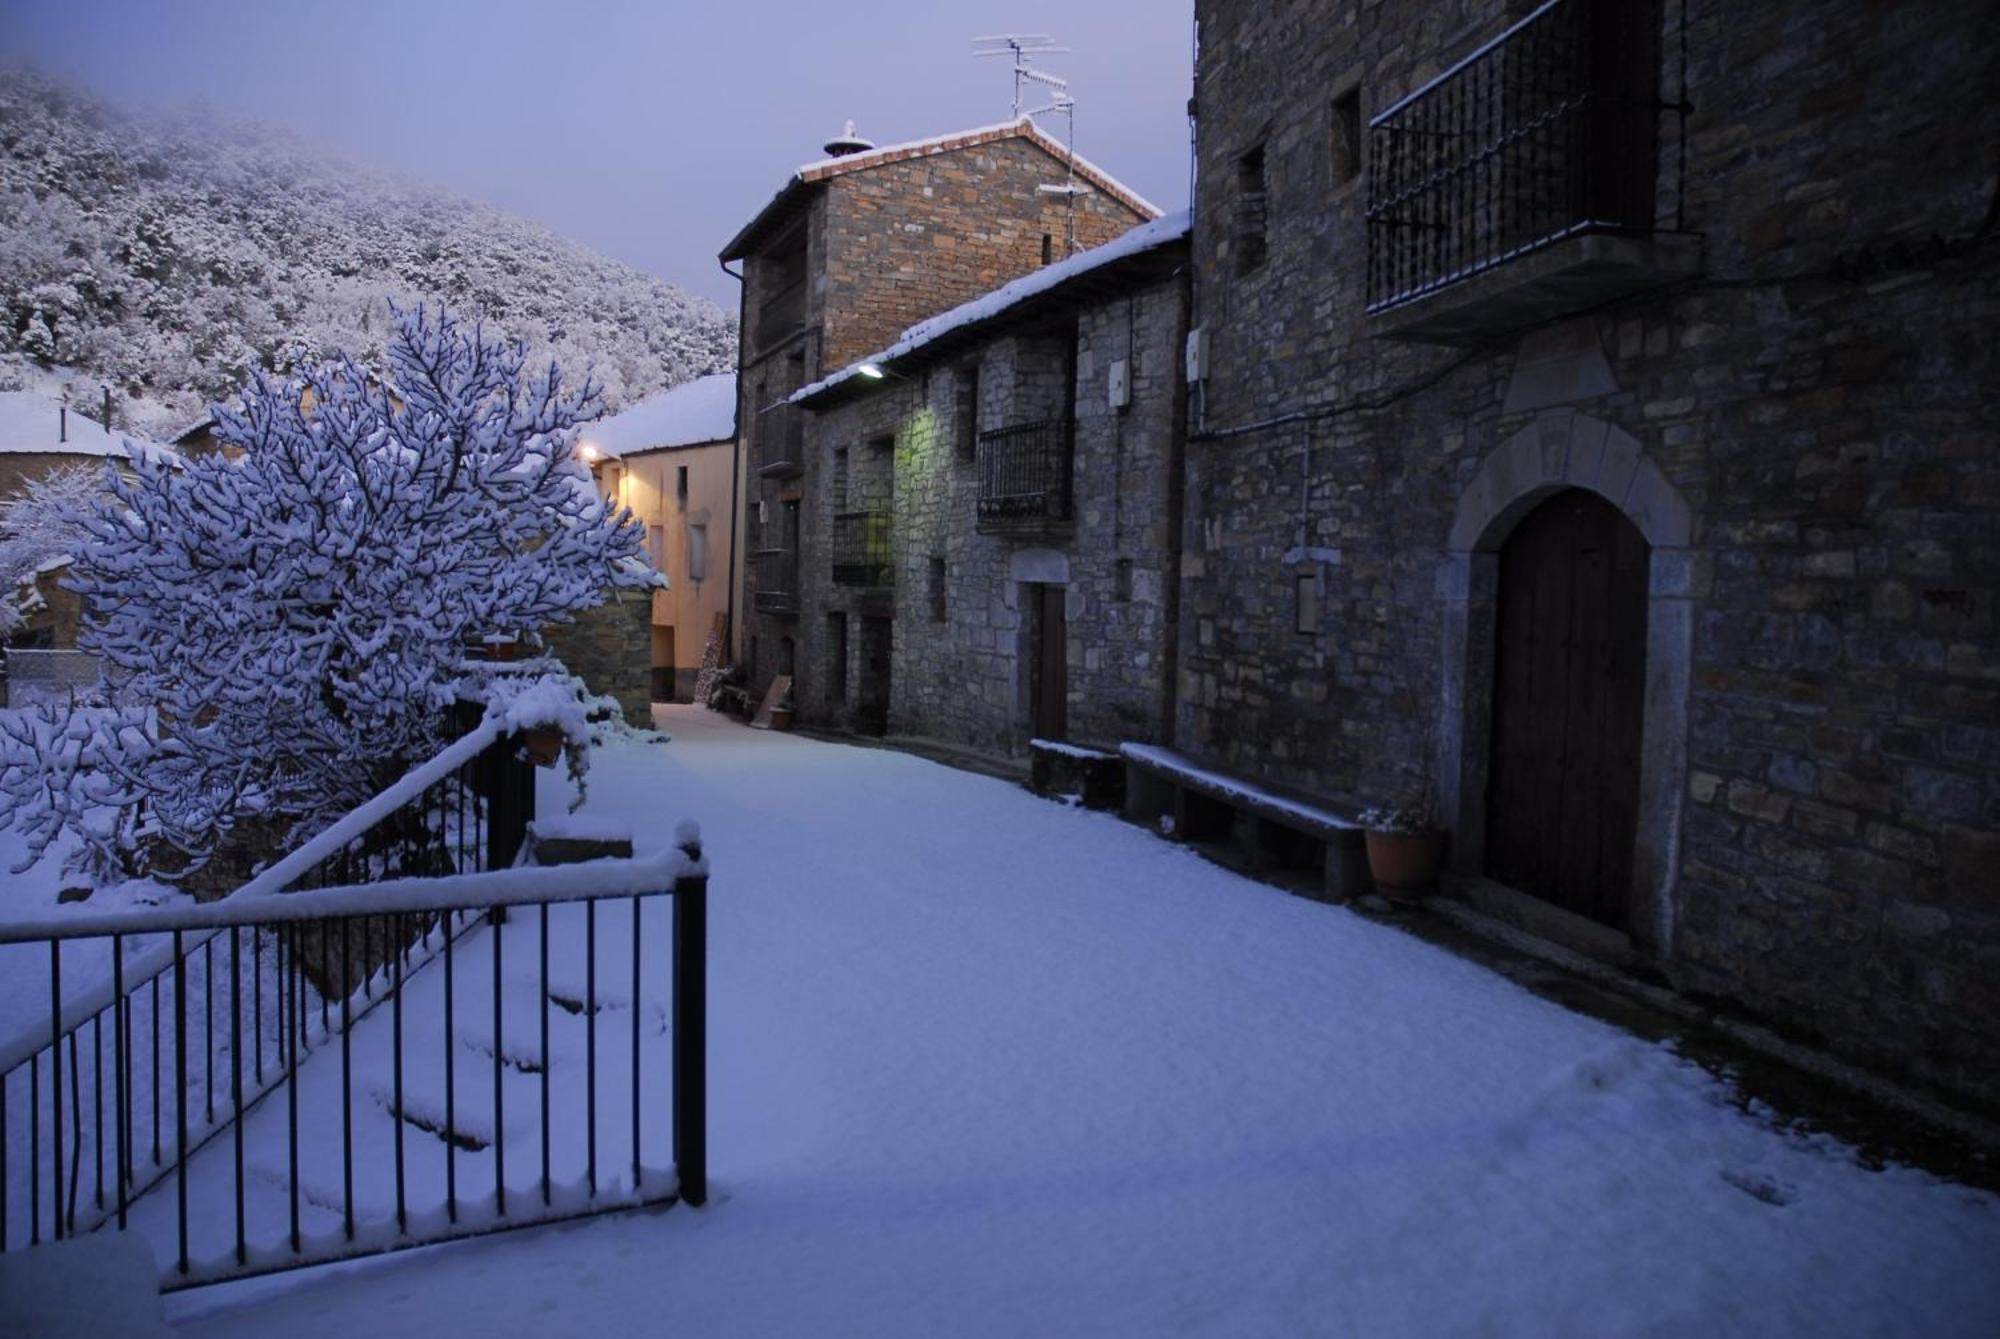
<point x="990" y="549"/>
<point x="1593" y="443"/>
<point x="671" y="459"/>
<point x="853" y="249"/>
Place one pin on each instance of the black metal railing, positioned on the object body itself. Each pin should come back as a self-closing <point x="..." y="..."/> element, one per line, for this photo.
<point x="781" y="440"/>
<point x="782" y="315"/>
<point x="390" y="1142"/>
<point x="777" y="580"/>
<point x="237" y="994"/>
<point x="861" y="548"/>
<point x="1550" y="130"/>
<point x="1025" y="473"/>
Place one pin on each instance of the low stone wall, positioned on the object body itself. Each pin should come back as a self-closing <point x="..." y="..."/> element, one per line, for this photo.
<point x="611" y="649"/>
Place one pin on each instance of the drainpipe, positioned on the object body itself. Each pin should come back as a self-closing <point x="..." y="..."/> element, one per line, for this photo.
<point x="1177" y="436"/>
<point x="737" y="529"/>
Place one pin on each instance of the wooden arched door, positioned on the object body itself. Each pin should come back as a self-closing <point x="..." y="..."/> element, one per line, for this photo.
<point x="1568" y="700"/>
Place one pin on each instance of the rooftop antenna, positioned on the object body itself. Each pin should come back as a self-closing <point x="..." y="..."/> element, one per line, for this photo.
<point x="1021" y="46"/>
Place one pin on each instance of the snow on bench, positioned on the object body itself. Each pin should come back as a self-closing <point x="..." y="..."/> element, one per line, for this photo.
<point x="1159" y="783"/>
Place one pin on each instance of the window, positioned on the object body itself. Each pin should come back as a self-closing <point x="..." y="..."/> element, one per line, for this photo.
<point x="681" y="484"/>
<point x="1122" y="589"/>
<point x="840" y="479"/>
<point x="1346" y="144"/>
<point x="1308" y="605"/>
<point x="1048" y="247"/>
<point x="965" y="393"/>
<point x="836" y="641"/>
<point x="1251" y="208"/>
<point x="937" y="590"/>
<point x="697" y="567"/>
<point x="656" y="544"/>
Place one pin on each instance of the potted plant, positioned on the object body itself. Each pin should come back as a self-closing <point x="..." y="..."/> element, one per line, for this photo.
<point x="543" y="744"/>
<point x="1404" y="850"/>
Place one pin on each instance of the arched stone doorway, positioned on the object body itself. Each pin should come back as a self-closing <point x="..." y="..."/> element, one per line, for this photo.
<point x="1569" y="663"/>
<point x="1565" y="451"/>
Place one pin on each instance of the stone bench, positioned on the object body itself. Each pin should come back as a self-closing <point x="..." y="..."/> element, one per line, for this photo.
<point x="1057" y="768"/>
<point x="1275" y="830"/>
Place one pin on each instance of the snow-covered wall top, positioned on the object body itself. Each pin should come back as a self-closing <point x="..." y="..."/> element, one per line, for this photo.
<point x="169" y="255"/>
<point x="1160" y="232"/>
<point x="32" y="423"/>
<point x="704" y="410"/>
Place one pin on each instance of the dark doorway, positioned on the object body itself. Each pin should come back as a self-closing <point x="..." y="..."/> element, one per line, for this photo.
<point x="1568" y="701"/>
<point x="1050" y="696"/>
<point x="836" y="639"/>
<point x="871" y="708"/>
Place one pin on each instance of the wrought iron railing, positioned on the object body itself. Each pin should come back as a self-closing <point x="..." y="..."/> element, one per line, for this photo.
<point x="1550" y="130"/>
<point x="777" y="581"/>
<point x="227" y="990"/>
<point x="782" y="315"/>
<point x="781" y="440"/>
<point x="1025" y="473"/>
<point x="861" y="548"/>
<point x="399" y="1146"/>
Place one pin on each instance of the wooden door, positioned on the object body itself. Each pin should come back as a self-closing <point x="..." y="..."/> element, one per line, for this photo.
<point x="1051" y="695"/>
<point x="1568" y="697"/>
<point x="871" y="712"/>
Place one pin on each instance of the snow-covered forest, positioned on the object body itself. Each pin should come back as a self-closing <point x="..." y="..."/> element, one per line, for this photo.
<point x="172" y="255"/>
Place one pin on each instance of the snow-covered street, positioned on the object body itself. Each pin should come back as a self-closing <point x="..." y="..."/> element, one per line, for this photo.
<point x="982" y="1064"/>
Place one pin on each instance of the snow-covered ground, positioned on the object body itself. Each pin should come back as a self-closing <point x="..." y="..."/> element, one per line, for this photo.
<point x="982" y="1064"/>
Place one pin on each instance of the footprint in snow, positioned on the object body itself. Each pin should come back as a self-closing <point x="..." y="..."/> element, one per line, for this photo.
<point x="1760" y="1187"/>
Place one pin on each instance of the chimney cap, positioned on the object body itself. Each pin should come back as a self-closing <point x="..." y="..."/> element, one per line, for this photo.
<point x="847" y="142"/>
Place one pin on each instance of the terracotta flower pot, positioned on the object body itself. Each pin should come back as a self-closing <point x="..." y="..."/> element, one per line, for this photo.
<point x="781" y="718"/>
<point x="1405" y="862"/>
<point x="543" y="744"/>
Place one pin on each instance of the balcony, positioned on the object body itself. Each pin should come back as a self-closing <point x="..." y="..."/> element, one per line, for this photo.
<point x="781" y="441"/>
<point x="1524" y="183"/>
<point x="777" y="581"/>
<point x="1024" y="477"/>
<point x="783" y="314"/>
<point x="861" y="548"/>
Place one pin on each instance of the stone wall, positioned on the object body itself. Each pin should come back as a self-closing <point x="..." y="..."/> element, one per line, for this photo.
<point x="610" y="648"/>
<point x="963" y="634"/>
<point x="1819" y="402"/>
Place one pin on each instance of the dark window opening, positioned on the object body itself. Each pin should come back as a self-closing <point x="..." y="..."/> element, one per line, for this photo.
<point x="1122" y="591"/>
<point x="1308" y="605"/>
<point x="937" y="590"/>
<point x="837" y="650"/>
<point x="1347" y="137"/>
<point x="965" y="390"/>
<point x="840" y="478"/>
<point x="1252" y="207"/>
<point x="681" y="484"/>
<point x="1048" y="247"/>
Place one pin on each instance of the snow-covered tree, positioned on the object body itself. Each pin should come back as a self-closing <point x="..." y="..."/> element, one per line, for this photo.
<point x="39" y="525"/>
<point x="288" y="629"/>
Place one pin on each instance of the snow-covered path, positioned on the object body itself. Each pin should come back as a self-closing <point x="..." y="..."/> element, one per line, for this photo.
<point x="985" y="1065"/>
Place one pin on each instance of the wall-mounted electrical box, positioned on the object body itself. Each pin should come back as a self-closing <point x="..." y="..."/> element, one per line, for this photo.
<point x="1118" y="385"/>
<point x="1197" y="354"/>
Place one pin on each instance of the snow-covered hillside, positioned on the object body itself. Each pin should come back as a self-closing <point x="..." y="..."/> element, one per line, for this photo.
<point x="168" y="256"/>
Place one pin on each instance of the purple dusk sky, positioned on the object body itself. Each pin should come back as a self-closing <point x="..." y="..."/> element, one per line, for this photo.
<point x="650" y="131"/>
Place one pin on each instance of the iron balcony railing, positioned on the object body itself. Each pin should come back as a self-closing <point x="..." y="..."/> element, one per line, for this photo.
<point x="182" y="1047"/>
<point x="783" y="314"/>
<point x="861" y="549"/>
<point x="781" y="440"/>
<point x="1025" y="473"/>
<point x="1550" y="130"/>
<point x="777" y="581"/>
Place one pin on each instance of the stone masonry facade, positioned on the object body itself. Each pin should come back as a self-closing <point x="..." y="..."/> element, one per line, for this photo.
<point x="1802" y="428"/>
<point x="851" y="253"/>
<point x="958" y="604"/>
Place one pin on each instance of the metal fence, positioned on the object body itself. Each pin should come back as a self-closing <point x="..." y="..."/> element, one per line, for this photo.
<point x="200" y="1021"/>
<point x="1025" y="473"/>
<point x="861" y="548"/>
<point x="1549" y="130"/>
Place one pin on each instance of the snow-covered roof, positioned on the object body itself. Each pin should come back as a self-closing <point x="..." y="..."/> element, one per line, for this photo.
<point x="32" y="424"/>
<point x="1024" y="127"/>
<point x="691" y="414"/>
<point x="1163" y="231"/>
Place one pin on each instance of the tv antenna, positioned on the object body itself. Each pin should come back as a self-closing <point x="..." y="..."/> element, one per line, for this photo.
<point x="1021" y="47"/>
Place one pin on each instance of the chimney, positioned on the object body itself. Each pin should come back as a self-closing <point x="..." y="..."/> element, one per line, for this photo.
<point x="847" y="142"/>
